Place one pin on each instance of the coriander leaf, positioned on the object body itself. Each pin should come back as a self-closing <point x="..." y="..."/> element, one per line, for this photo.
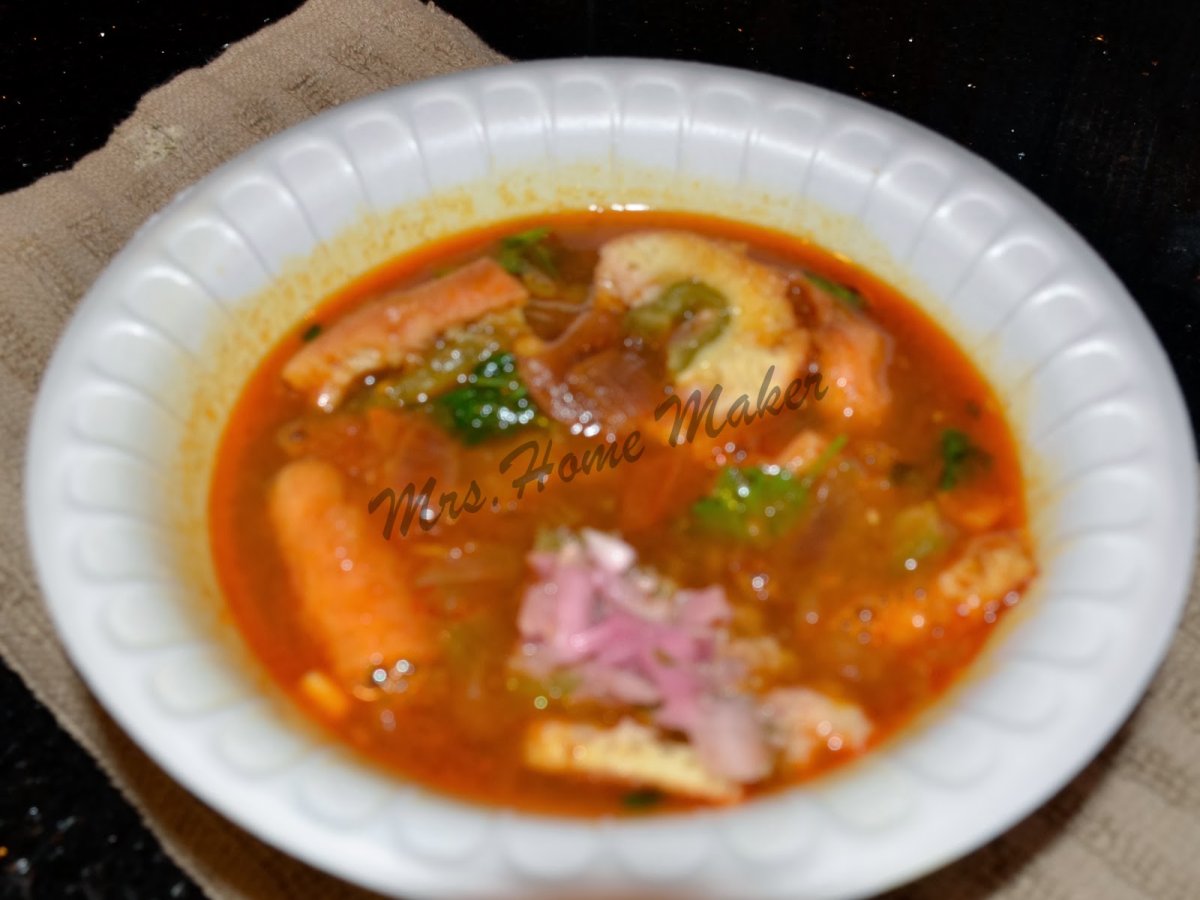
<point x="642" y="799"/>
<point x="818" y="466"/>
<point x="519" y="253"/>
<point x="845" y="293"/>
<point x="757" y="504"/>
<point x="494" y="401"/>
<point x="751" y="504"/>
<point x="959" y="457"/>
<point x="311" y="332"/>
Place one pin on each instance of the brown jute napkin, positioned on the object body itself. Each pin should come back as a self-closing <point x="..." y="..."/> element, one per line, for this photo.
<point x="1127" y="827"/>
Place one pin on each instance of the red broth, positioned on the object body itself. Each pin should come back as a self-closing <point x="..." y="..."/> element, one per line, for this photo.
<point x="848" y="593"/>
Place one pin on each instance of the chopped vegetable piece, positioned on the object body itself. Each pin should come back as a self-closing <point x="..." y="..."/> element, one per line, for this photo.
<point x="520" y="252"/>
<point x="311" y="332"/>
<point x="959" y="457"/>
<point x="656" y="318"/>
<point x="528" y="256"/>
<point x="918" y="532"/>
<point x="752" y="503"/>
<point x="761" y="502"/>
<point x="442" y="371"/>
<point x="551" y="540"/>
<point x="818" y="466"/>
<point x="842" y="292"/>
<point x="643" y="799"/>
<point x="690" y="312"/>
<point x="494" y="401"/>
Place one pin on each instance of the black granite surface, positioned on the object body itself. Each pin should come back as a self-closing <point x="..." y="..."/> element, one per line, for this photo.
<point x="1092" y="104"/>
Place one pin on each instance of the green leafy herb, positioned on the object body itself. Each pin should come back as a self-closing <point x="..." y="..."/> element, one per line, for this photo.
<point x="817" y="467"/>
<point x="521" y="252"/>
<point x="311" y="332"/>
<point x="959" y="458"/>
<point x="494" y="401"/>
<point x="845" y="293"/>
<point x="643" y="798"/>
<point x="530" y="257"/>
<point x="440" y="372"/>
<point x="686" y="316"/>
<point x="751" y="504"/>
<point x="757" y="504"/>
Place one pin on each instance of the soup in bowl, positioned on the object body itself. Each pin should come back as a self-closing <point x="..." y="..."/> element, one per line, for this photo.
<point x="618" y="511"/>
<point x="612" y="475"/>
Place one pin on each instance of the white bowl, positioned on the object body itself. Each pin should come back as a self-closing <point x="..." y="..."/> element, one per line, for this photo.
<point x="125" y="427"/>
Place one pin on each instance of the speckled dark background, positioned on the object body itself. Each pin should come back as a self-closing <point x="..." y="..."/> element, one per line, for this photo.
<point x="1092" y="104"/>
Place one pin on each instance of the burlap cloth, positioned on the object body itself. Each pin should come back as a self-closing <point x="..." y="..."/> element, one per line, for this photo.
<point x="1129" y="826"/>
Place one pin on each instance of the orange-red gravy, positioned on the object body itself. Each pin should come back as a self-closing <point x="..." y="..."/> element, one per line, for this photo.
<point x="462" y="736"/>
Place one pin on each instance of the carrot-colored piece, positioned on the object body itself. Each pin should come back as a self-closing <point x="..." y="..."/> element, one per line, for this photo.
<point x="353" y="596"/>
<point x="853" y="355"/>
<point x="382" y="334"/>
<point x="974" y="508"/>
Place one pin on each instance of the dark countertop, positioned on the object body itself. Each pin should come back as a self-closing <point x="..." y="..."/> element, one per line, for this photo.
<point x="1094" y="105"/>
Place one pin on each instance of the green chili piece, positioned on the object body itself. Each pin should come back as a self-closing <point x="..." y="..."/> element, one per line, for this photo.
<point x="845" y="293"/>
<point x="686" y="316"/>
